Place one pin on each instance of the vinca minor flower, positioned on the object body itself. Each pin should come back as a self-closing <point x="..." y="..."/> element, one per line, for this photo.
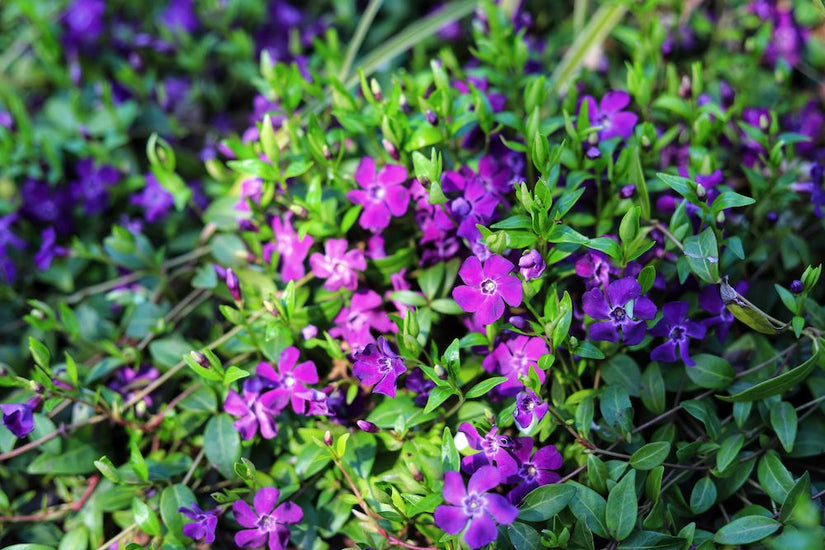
<point x="486" y="288"/>
<point x="203" y="525"/>
<point x="677" y="329"/>
<point x="19" y="417"/>
<point x="382" y="195"/>
<point x="338" y="265"/>
<point x="266" y="524"/>
<point x="377" y="364"/>
<point x="623" y="308"/>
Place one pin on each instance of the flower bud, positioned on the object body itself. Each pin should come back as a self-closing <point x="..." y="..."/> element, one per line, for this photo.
<point x="368" y="427"/>
<point x="593" y="153"/>
<point x="247" y="225"/>
<point x="309" y="331"/>
<point x="328" y="439"/>
<point x="701" y="192"/>
<point x="390" y="148"/>
<point x="685" y="87"/>
<point x="797" y="287"/>
<point x="200" y="358"/>
<point x="720" y="218"/>
<point x="432" y="118"/>
<point x="326" y="152"/>
<point x="439" y="371"/>
<point x="531" y="264"/>
<point x="233" y="284"/>
<point x="627" y="191"/>
<point x="375" y="88"/>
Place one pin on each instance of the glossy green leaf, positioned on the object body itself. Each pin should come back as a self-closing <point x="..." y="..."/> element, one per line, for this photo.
<point x="622" y="504"/>
<point x="222" y="444"/>
<point x="746" y="530"/>
<point x="650" y="455"/>
<point x="784" y="423"/>
<point x="545" y="502"/>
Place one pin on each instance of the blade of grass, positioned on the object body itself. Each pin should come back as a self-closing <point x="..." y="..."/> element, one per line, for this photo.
<point x="358" y="37"/>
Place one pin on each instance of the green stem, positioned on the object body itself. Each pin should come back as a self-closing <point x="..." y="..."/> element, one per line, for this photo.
<point x="358" y="38"/>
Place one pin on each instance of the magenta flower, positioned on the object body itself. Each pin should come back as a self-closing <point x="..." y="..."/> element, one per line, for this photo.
<point x="378" y="365"/>
<point x="19" y="417"/>
<point x="531" y="264"/>
<point x="677" y="329"/>
<point x="496" y="449"/>
<point x="530" y="409"/>
<point x="266" y="524"/>
<point x="338" y="265"/>
<point x="474" y="206"/>
<point x="204" y="522"/>
<point x="595" y="268"/>
<point x="486" y="288"/>
<point x="290" y="380"/>
<point x="292" y="249"/>
<point x="354" y="323"/>
<point x="610" y="116"/>
<point x="624" y="308"/>
<point x="255" y="410"/>
<point x="474" y="508"/>
<point x="534" y="471"/>
<point x="513" y="359"/>
<point x="382" y="195"/>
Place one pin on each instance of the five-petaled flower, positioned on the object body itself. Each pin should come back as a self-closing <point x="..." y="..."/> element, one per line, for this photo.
<point x="496" y="449"/>
<point x="474" y="507"/>
<point x="513" y="359"/>
<point x="623" y="308"/>
<point x="534" y="471"/>
<point x="486" y="288"/>
<point x="292" y="249"/>
<point x="338" y="265"/>
<point x="382" y="195"/>
<point x="377" y="364"/>
<point x="677" y="329"/>
<point x="530" y="409"/>
<point x="203" y="523"/>
<point x="290" y="380"/>
<point x="256" y="410"/>
<point x="266" y="524"/>
<point x="609" y="114"/>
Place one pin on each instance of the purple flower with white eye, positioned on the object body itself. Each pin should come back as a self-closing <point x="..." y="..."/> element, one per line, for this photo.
<point x="254" y="410"/>
<point x="92" y="185"/>
<point x="531" y="264"/>
<point x="378" y="365"/>
<point x="48" y="250"/>
<point x="609" y="114"/>
<point x="155" y="200"/>
<point x="530" y="409"/>
<point x="292" y="249"/>
<point x="534" y="471"/>
<point x="496" y="449"/>
<point x="513" y="359"/>
<point x="355" y="323"/>
<point x="290" y="380"/>
<point x="266" y="524"/>
<point x="19" y="417"/>
<point x="203" y="523"/>
<point x="711" y="301"/>
<point x="382" y="195"/>
<point x="474" y="206"/>
<point x="338" y="265"/>
<point x="317" y="403"/>
<point x="623" y="308"/>
<point x="487" y="287"/>
<point x="678" y="329"/>
<point x="474" y="508"/>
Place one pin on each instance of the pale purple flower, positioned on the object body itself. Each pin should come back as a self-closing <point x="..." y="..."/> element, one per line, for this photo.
<point x="179" y="16"/>
<point x="290" y="380"/>
<point x="530" y="409"/>
<point x="19" y="417"/>
<point x="338" y="265"/>
<point x="677" y="329"/>
<point x="474" y="508"/>
<point x="377" y="364"/>
<point x="534" y="471"/>
<point x="531" y="264"/>
<point x="496" y="449"/>
<point x="420" y="385"/>
<point x="595" y="268"/>
<point x="233" y="284"/>
<point x="292" y="249"/>
<point x="513" y="359"/>
<point x="355" y="323"/>
<point x="368" y="427"/>
<point x="8" y="240"/>
<point x="266" y="525"/>
<point x="128" y="381"/>
<point x="382" y="195"/>
<point x="623" y="308"/>
<point x="252" y="189"/>
<point x="309" y="331"/>
<point x="254" y="410"/>
<point x="486" y="288"/>
<point x="475" y="205"/>
<point x="609" y="114"/>
<point x="203" y="523"/>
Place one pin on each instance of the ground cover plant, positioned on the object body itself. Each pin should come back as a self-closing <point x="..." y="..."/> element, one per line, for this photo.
<point x="397" y="275"/>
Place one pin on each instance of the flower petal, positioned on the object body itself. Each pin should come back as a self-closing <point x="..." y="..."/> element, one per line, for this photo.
<point x="365" y="173"/>
<point x="469" y="298"/>
<point x="306" y="372"/>
<point x="471" y="272"/>
<point x="664" y="352"/>
<point x="398" y="198"/>
<point x="454" y="490"/>
<point x="595" y="305"/>
<point x="604" y="331"/>
<point x="288" y="513"/>
<point x="621" y="291"/>
<point x="644" y="308"/>
<point x="250" y="538"/>
<point x="450" y="519"/>
<point x="288" y="359"/>
<point x="485" y="478"/>
<point x="392" y="174"/>
<point x="491" y="310"/>
<point x="375" y="216"/>
<point x="614" y="101"/>
<point x="510" y="289"/>
<point x="674" y="312"/>
<point x="482" y="531"/>
<point x="265" y="500"/>
<point x="547" y="458"/>
<point x="498" y="506"/>
<point x="496" y="267"/>
<point x="244" y="514"/>
<point x="633" y="332"/>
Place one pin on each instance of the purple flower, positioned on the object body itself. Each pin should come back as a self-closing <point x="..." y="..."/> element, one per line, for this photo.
<point x="531" y="264"/>
<point x="378" y="365"/>
<point x="290" y="380"/>
<point x="797" y="287"/>
<point x="534" y="471"/>
<point x="266" y="524"/>
<point x="711" y="301"/>
<point x="530" y="409"/>
<point x="128" y="381"/>
<point x="486" y="288"/>
<point x="19" y="417"/>
<point x="513" y="359"/>
<point x="595" y="268"/>
<point x="610" y="116"/>
<point x="92" y="185"/>
<point x="788" y="40"/>
<point x="255" y="410"/>
<point x="155" y="200"/>
<point x="624" y="308"/>
<point x="8" y="239"/>
<point x="233" y="284"/>
<point x="204" y="523"/>
<point x="179" y="15"/>
<point x="48" y="250"/>
<point x="419" y="384"/>
<point x="475" y="205"/>
<point x="84" y="22"/>
<point x="368" y="427"/>
<point x="496" y="449"/>
<point x="355" y="322"/>
<point x="338" y="265"/>
<point x="678" y="329"/>
<point x="474" y="508"/>
<point x="252" y="189"/>
<point x="382" y="195"/>
<point x="291" y="248"/>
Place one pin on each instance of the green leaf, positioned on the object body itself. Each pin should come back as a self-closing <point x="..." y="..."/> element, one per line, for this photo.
<point x="710" y="372"/>
<point x="424" y="136"/>
<point x="703" y="496"/>
<point x="653" y="389"/>
<point x="650" y="456"/>
<point x="172" y="498"/>
<point x="681" y="185"/>
<point x="483" y="388"/>
<point x="651" y="540"/>
<point x="523" y="537"/>
<point x="622" y="507"/>
<point x="774" y="478"/>
<point x="80" y="459"/>
<point x="800" y="492"/>
<point x="447" y="306"/>
<point x="730" y="199"/>
<point x="108" y="469"/>
<point x="589" y="507"/>
<point x="408" y="297"/>
<point x="40" y="353"/>
<point x="784" y="423"/>
<point x="746" y="530"/>
<point x="778" y="384"/>
<point x="637" y="178"/>
<point x="438" y="396"/>
<point x="450" y="461"/>
<point x="234" y="373"/>
<point x="145" y="518"/>
<point x="545" y="502"/>
<point x="729" y="451"/>
<point x="222" y="444"/>
<point x="702" y="253"/>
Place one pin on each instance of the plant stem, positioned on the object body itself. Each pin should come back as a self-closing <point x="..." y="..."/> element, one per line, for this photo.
<point x="358" y="37"/>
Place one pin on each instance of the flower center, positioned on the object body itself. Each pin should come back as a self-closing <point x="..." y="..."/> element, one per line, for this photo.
<point x="530" y="405"/>
<point x="677" y="333"/>
<point x="618" y="314"/>
<point x="529" y="471"/>
<point x="461" y="207"/>
<point x="488" y="287"/>
<point x="472" y="505"/>
<point x="289" y="380"/>
<point x="376" y="193"/>
<point x="385" y="364"/>
<point x="266" y="523"/>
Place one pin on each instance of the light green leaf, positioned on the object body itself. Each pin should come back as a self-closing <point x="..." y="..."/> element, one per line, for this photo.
<point x="622" y="507"/>
<point x="650" y="456"/>
<point x="546" y="501"/>
<point x="746" y="530"/>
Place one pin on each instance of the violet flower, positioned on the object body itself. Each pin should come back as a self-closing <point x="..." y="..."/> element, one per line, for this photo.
<point x="92" y="185"/>
<point x="382" y="195"/>
<point x="711" y="301"/>
<point x="355" y="322"/>
<point x="531" y="264"/>
<point x="255" y="410"/>
<point x="530" y="409"/>
<point x="486" y="288"/>
<point x="624" y="308"/>
<point x="420" y="385"/>
<point x="291" y="248"/>
<point x="595" y="268"/>
<point x="291" y="380"/>
<point x="338" y="265"/>
<point x="155" y="200"/>
<point x="204" y="523"/>
<point x="513" y="359"/>
<point x="678" y="329"/>
<point x="474" y="508"/>
<point x="128" y="381"/>
<point x="233" y="284"/>
<point x="378" y="365"/>
<point x="534" y="471"/>
<point x="474" y="206"/>
<point x="496" y="449"/>
<point x="48" y="250"/>
<point x="266" y="524"/>
<point x="19" y="417"/>
<point x="610" y="116"/>
<point x="8" y="239"/>
<point x="180" y="16"/>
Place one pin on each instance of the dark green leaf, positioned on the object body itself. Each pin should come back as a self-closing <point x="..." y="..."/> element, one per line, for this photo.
<point x="438" y="396"/>
<point x="588" y="506"/>
<point x="523" y="537"/>
<point x="703" y="496"/>
<point x="710" y="371"/>
<point x="651" y="540"/>
<point x="702" y="255"/>
<point x="650" y="456"/>
<point x="172" y="498"/>
<point x="746" y="530"/>
<point x="545" y="502"/>
<point x="483" y="388"/>
<point x="774" y="478"/>
<point x="800" y="491"/>
<point x="784" y="423"/>
<point x="778" y="384"/>
<point x="222" y="444"/>
<point x="622" y="505"/>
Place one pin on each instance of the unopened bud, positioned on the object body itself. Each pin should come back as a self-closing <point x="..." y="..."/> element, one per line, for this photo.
<point x="645" y="142"/>
<point x="390" y="148"/>
<point x="233" y="284"/>
<point x="764" y="121"/>
<point x="245" y="224"/>
<point x="720" y="218"/>
<point x="402" y="102"/>
<point x="432" y="118"/>
<point x="797" y="287"/>
<point x="439" y="371"/>
<point x="328" y="439"/>
<point x="685" y="87"/>
<point x="375" y="88"/>
<point x="326" y="152"/>
<point x="199" y="358"/>
<point x="368" y="427"/>
<point x="701" y="192"/>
